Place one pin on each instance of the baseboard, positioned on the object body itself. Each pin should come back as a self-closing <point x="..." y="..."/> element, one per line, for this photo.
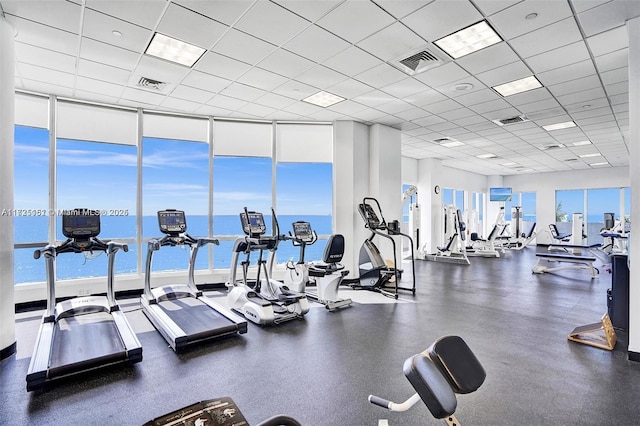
<point x="634" y="356"/>
<point x="9" y="350"/>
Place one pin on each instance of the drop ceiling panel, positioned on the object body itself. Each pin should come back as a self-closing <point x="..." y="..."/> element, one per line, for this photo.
<point x="442" y="75"/>
<point x="352" y="61"/>
<point x="102" y="72"/>
<point x="243" y="47"/>
<point x="373" y="98"/>
<point x="349" y="88"/>
<point x="225" y="11"/>
<point x="145" y="14"/>
<point x="242" y="91"/>
<point x="45" y="58"/>
<point x="190" y="27"/>
<point x="380" y="76"/>
<point x="607" y="16"/>
<point x="321" y="77"/>
<point x="204" y="81"/>
<point x="404" y="88"/>
<point x="311" y="10"/>
<point x="99" y="26"/>
<point x="262" y="79"/>
<point x="271" y="22"/>
<point x="159" y="70"/>
<point x="576" y="85"/>
<point x="190" y="93"/>
<point x="392" y="42"/>
<point x="45" y="75"/>
<point x="435" y="20"/>
<point x="609" y="41"/>
<point x="44" y="36"/>
<point x="56" y="14"/>
<point x="340" y="21"/>
<point x="488" y="58"/>
<point x="316" y="44"/>
<point x="295" y="90"/>
<point x="286" y="63"/>
<point x="179" y="104"/>
<point x="567" y="73"/>
<point x="513" y="22"/>
<point x="558" y="58"/>
<point x="108" y="54"/>
<point x="547" y="38"/>
<point x="274" y="101"/>
<point x="400" y="9"/>
<point x="510" y="72"/>
<point x="222" y="66"/>
<point x="100" y="87"/>
<point x="226" y="102"/>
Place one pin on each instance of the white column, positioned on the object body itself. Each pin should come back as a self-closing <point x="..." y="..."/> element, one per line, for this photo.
<point x="350" y="185"/>
<point x="633" y="29"/>
<point x="385" y="180"/>
<point x="493" y="207"/>
<point x="429" y="172"/>
<point x="7" y="113"/>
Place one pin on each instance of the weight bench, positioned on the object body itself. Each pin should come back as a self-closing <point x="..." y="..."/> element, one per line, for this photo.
<point x="448" y="367"/>
<point x="580" y="262"/>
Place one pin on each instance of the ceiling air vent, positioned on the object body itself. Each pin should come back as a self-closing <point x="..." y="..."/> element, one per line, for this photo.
<point x="420" y="60"/>
<point x="511" y="120"/>
<point x="149" y="83"/>
<point x="552" y="146"/>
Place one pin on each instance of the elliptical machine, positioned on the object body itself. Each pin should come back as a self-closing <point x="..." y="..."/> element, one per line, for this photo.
<point x="263" y="300"/>
<point x="375" y="274"/>
<point x="327" y="274"/>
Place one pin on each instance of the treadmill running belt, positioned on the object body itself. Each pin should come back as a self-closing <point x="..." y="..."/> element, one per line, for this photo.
<point x="84" y="340"/>
<point x="195" y="317"/>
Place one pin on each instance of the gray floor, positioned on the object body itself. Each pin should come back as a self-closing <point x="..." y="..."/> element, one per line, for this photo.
<point x="320" y="370"/>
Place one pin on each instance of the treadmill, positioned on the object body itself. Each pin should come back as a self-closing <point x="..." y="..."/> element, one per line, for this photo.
<point x="86" y="332"/>
<point x="181" y="313"/>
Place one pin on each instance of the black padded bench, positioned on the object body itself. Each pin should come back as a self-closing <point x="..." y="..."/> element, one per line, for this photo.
<point x="448" y="367"/>
<point x="580" y="262"/>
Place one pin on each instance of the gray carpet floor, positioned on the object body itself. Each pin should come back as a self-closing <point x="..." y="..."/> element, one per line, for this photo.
<point x="320" y="370"/>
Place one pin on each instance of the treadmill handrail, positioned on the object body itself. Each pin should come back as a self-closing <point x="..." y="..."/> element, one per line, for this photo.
<point x="192" y="260"/>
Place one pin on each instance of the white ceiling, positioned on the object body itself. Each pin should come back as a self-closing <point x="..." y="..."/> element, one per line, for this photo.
<point x="263" y="57"/>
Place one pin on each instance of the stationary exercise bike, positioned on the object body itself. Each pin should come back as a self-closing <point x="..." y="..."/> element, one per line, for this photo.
<point x="263" y="300"/>
<point x="327" y="274"/>
<point x="375" y="274"/>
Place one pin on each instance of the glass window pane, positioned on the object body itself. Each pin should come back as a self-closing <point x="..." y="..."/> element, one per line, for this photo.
<point x="528" y="201"/>
<point x="568" y="202"/>
<point x="599" y="202"/>
<point x="447" y="196"/>
<point x="238" y="182"/>
<point x="459" y="193"/>
<point x="102" y="176"/>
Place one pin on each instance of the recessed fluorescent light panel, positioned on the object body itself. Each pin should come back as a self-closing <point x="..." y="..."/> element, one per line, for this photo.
<point x="518" y="86"/>
<point x="508" y="164"/>
<point x="483" y="156"/>
<point x="323" y="99"/>
<point x="590" y="155"/>
<point x="174" y="50"/>
<point x="581" y="143"/>
<point x="559" y="126"/>
<point x="468" y="40"/>
<point x="451" y="144"/>
<point x="604" y="163"/>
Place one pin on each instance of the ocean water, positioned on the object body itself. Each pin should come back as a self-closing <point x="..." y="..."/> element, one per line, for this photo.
<point x="34" y="229"/>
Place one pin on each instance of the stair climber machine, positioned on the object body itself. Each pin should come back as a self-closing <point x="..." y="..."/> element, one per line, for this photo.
<point x="263" y="300"/>
<point x="326" y="275"/>
<point x="374" y="273"/>
<point x="86" y="332"/>
<point x="181" y="313"/>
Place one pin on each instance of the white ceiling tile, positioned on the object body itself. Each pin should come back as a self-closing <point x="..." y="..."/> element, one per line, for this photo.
<point x="243" y="47"/>
<point x="274" y="101"/>
<point x="368" y="114"/>
<point x="102" y="72"/>
<point x="576" y="85"/>
<point x="179" y="104"/>
<point x="489" y="7"/>
<point x="226" y="102"/>
<point x="436" y="20"/>
<point x="143" y="13"/>
<point x="256" y="110"/>
<point x="566" y="73"/>
<point x="349" y="88"/>
<point x="374" y="98"/>
<point x="340" y="20"/>
<point x="490" y="105"/>
<point x="609" y="41"/>
<point x="528" y="96"/>
<point x="614" y="89"/>
<point x="46" y="87"/>
<point x="547" y="38"/>
<point x="557" y="58"/>
<point x="326" y="115"/>
<point x="394" y="106"/>
<point x="45" y="58"/>
<point x="405" y="88"/>
<point x="99" y="26"/>
<point x="426" y="98"/>
<point x="225" y="11"/>
<point x="311" y="10"/>
<point x="429" y="121"/>
<point x="615" y="76"/>
<point x="347" y="107"/>
<point x="488" y="58"/>
<point x="57" y="14"/>
<point x="442" y="106"/>
<point x="190" y="93"/>
<point x="286" y="63"/>
<point x="316" y="44"/>
<point x="456" y="113"/>
<point x="392" y="42"/>
<point x="470" y="98"/>
<point x="242" y="91"/>
<point x="36" y="73"/>
<point x="303" y="108"/>
<point x="352" y="61"/>
<point x="584" y="96"/>
<point x="159" y="70"/>
<point x="295" y="90"/>
<point x="204" y="81"/>
<point x="321" y="77"/>
<point x="99" y="87"/>
<point x="44" y="36"/>
<point x="412" y="114"/>
<point x="512" y="22"/>
<point x="262" y="79"/>
<point x="607" y="16"/>
<point x="400" y="9"/>
<point x="511" y="72"/>
<point x="95" y="97"/>
<point x="442" y="75"/>
<point x="271" y="22"/>
<point x="143" y="96"/>
<point x="613" y="60"/>
<point x="542" y="105"/>
<point x="222" y="66"/>
<point x="190" y="27"/>
<point x="381" y="75"/>
<point x="99" y="52"/>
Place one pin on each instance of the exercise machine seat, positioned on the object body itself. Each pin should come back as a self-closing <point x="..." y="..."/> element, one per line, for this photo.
<point x="334" y="250"/>
<point x="458" y="364"/>
<point x="557" y="235"/>
<point x="431" y="386"/>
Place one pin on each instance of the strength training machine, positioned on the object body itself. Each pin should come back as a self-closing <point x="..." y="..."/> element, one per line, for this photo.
<point x="263" y="300"/>
<point x="454" y="235"/>
<point x="374" y="273"/>
<point x="85" y="332"/>
<point x="181" y="313"/>
<point x="448" y="367"/>
<point x="326" y="275"/>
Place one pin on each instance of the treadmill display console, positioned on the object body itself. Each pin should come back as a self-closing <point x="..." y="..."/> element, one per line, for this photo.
<point x="302" y="231"/>
<point x="254" y="225"/>
<point x="81" y="224"/>
<point x="172" y="222"/>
